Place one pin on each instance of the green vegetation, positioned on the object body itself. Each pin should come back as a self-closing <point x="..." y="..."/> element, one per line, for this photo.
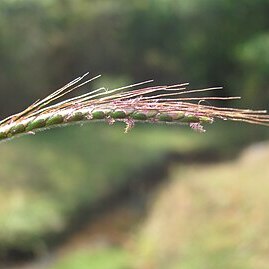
<point x="112" y="258"/>
<point x="48" y="178"/>
<point x="210" y="217"/>
<point x="208" y="43"/>
<point x="218" y="214"/>
<point x="205" y="217"/>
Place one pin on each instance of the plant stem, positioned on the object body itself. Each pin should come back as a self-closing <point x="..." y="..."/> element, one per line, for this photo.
<point x="151" y="105"/>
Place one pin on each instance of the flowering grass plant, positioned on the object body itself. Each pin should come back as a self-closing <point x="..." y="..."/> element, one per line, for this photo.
<point x="129" y="104"/>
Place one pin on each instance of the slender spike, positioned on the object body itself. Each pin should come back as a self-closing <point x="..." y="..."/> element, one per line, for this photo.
<point x="151" y="104"/>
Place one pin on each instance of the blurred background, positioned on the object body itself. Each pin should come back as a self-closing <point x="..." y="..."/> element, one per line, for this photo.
<point x="161" y="196"/>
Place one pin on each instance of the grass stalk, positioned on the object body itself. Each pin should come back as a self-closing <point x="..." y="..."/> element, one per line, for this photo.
<point x="157" y="104"/>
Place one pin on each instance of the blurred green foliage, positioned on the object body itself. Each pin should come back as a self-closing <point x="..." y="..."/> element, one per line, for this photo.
<point x="46" y="43"/>
<point x="48" y="178"/>
<point x="113" y="258"/>
<point x="211" y="216"/>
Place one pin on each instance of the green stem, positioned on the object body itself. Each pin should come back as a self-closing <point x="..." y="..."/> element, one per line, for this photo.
<point x="68" y="117"/>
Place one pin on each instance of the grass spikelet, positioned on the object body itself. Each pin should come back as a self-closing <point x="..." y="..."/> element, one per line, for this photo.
<point x="129" y="104"/>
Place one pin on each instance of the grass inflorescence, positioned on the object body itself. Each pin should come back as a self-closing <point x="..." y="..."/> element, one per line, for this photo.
<point x="150" y="104"/>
